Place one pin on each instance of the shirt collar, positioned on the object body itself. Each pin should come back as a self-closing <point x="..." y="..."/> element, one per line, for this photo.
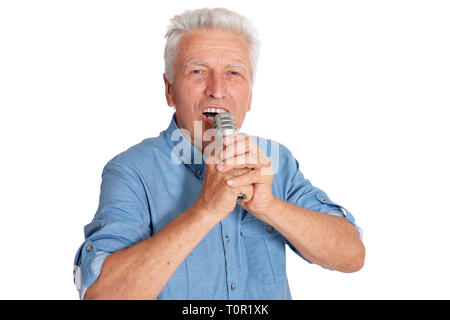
<point x="182" y="150"/>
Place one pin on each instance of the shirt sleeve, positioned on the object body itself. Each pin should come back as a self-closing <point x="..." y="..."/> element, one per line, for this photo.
<point x="122" y="220"/>
<point x="301" y="192"/>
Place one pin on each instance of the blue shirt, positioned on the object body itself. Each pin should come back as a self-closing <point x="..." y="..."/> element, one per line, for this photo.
<point x="147" y="186"/>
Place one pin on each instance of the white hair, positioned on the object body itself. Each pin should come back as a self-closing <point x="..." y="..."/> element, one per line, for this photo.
<point x="209" y="19"/>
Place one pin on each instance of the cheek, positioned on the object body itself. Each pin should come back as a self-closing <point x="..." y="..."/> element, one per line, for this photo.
<point x="242" y="98"/>
<point x="241" y="90"/>
<point x="240" y="118"/>
<point x="187" y="93"/>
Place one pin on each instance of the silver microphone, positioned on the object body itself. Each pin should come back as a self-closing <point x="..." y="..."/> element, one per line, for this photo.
<point x="224" y="125"/>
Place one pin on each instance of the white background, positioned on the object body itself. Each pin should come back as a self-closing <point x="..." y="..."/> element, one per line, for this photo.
<point x="359" y="91"/>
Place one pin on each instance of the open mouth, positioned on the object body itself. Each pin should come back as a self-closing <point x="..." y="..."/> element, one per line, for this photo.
<point x="209" y="114"/>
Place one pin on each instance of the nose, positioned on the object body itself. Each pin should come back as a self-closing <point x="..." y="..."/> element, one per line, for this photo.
<point x="215" y="87"/>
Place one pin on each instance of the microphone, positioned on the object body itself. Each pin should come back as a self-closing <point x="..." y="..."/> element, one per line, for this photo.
<point x="224" y="125"/>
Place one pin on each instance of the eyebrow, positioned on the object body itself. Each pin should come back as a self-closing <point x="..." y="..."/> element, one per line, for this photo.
<point x="237" y="65"/>
<point x="195" y="63"/>
<point x="234" y="65"/>
<point x="204" y="64"/>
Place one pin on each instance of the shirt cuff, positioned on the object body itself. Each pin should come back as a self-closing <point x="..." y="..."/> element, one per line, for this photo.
<point x="339" y="213"/>
<point x="96" y="267"/>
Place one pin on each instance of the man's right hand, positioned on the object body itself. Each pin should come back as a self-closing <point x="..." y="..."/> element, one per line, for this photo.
<point x="216" y="196"/>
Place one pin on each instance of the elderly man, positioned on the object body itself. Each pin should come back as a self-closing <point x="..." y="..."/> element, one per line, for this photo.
<point x="169" y="227"/>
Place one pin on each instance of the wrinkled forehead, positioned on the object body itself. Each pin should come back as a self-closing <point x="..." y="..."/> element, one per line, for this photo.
<point x="209" y="47"/>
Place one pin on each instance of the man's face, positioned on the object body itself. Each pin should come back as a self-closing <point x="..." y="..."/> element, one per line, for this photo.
<point x="212" y="70"/>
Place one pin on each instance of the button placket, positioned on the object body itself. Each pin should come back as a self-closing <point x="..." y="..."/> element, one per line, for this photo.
<point x="228" y="229"/>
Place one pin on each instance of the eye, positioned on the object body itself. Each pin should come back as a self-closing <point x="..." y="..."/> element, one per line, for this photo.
<point x="235" y="73"/>
<point x="197" y="71"/>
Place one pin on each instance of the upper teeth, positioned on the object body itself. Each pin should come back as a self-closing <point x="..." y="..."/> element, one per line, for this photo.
<point x="214" y="110"/>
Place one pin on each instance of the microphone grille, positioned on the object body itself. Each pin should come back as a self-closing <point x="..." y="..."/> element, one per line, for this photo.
<point x="224" y="124"/>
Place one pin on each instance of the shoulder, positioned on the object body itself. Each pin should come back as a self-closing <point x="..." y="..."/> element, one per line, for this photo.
<point x="139" y="154"/>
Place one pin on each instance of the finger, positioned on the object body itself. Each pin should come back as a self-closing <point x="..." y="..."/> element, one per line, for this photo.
<point x="234" y="149"/>
<point x="266" y="169"/>
<point x="231" y="144"/>
<point x="247" y="160"/>
<point x="255" y="155"/>
<point x="251" y="177"/>
<point x="236" y="172"/>
<point x="212" y="153"/>
<point x="247" y="191"/>
<point x="233" y="138"/>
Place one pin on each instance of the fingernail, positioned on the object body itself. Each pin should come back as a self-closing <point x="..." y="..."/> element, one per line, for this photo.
<point x="220" y="167"/>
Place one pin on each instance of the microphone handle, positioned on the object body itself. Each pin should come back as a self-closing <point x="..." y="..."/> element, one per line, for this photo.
<point x="224" y="125"/>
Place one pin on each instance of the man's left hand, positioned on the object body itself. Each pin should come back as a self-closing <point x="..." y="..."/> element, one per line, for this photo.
<point x="242" y="152"/>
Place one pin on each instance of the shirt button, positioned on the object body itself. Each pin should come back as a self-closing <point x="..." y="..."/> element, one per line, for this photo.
<point x="198" y="172"/>
<point x="89" y="248"/>
<point x="269" y="229"/>
<point x="227" y="239"/>
<point x="233" y="286"/>
<point x="322" y="198"/>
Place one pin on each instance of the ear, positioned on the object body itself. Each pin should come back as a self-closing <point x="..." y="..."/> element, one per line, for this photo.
<point x="249" y="106"/>
<point x="169" y="92"/>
